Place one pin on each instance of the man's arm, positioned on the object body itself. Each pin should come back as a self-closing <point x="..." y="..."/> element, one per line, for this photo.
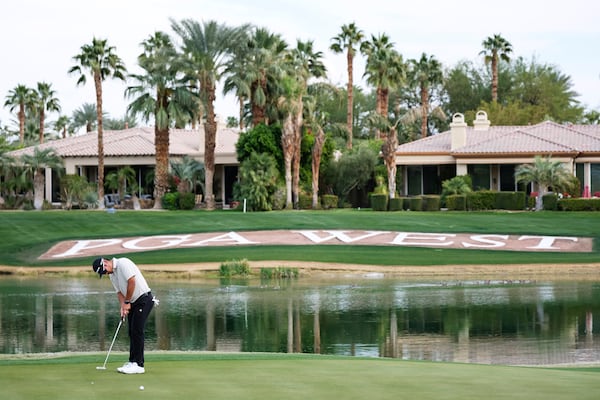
<point x="125" y="299"/>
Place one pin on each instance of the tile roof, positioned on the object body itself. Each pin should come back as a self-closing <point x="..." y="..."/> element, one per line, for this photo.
<point x="136" y="142"/>
<point x="543" y="138"/>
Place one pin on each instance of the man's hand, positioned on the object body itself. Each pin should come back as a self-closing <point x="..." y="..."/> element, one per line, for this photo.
<point x="125" y="307"/>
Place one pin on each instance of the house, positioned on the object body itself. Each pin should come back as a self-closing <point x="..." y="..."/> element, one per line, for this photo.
<point x="490" y="154"/>
<point x="135" y="147"/>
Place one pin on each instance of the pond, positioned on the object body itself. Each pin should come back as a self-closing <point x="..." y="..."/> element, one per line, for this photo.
<point x="493" y="322"/>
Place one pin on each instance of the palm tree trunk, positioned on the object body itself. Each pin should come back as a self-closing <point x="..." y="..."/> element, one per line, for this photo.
<point x="494" y="77"/>
<point x="297" y="154"/>
<point x="42" y="118"/>
<point x="317" y="151"/>
<point x="241" y="121"/>
<point x="161" y="173"/>
<point x="424" y="109"/>
<point x="287" y="144"/>
<point x="38" y="189"/>
<point x="210" y="138"/>
<point x="98" y="84"/>
<point x="350" y="106"/>
<point x="389" y="157"/>
<point x="21" y="123"/>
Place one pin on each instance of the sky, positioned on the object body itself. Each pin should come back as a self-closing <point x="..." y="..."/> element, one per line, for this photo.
<point x="38" y="38"/>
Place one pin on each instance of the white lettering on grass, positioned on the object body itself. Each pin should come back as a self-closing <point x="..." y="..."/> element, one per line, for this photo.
<point x="340" y="235"/>
<point x="486" y="239"/>
<point x="546" y="242"/>
<point x="164" y="241"/>
<point x="232" y="237"/>
<point x="81" y="245"/>
<point x="422" y="239"/>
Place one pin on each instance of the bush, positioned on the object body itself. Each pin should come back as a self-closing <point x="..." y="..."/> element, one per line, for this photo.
<point x="304" y="201"/>
<point x="415" y="203"/>
<point x="481" y="200"/>
<point x="379" y="202"/>
<point x="396" y="204"/>
<point x="169" y="201"/>
<point x="510" y="200"/>
<point x="550" y="202"/>
<point x="405" y="203"/>
<point x="186" y="201"/>
<point x="234" y="268"/>
<point x="456" y="202"/>
<point x="329" y="201"/>
<point x="431" y="202"/>
<point x="278" y="273"/>
<point x="579" y="204"/>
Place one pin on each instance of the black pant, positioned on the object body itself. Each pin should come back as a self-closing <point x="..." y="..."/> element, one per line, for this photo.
<point x="137" y="325"/>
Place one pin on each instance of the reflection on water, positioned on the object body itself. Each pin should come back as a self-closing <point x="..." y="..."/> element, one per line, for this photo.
<point x="494" y="322"/>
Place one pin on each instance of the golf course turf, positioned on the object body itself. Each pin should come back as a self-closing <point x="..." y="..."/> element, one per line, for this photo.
<point x="26" y="235"/>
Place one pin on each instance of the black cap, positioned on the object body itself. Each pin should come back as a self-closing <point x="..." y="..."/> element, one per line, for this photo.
<point x="98" y="266"/>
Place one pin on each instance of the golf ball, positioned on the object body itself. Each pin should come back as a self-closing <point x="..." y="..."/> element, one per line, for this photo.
<point x="141" y="388"/>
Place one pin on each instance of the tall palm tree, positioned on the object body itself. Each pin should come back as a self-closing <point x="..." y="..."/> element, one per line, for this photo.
<point x="545" y="173"/>
<point x="37" y="163"/>
<point x="87" y="116"/>
<point x="495" y="48"/>
<point x="101" y="62"/>
<point x="189" y="172"/>
<point x="425" y="72"/>
<point x="303" y="63"/>
<point x="164" y="96"/>
<point x="45" y="100"/>
<point x="385" y="70"/>
<point x="388" y="149"/>
<point x="21" y="96"/>
<point x="63" y="125"/>
<point x="350" y="38"/>
<point x="207" y="46"/>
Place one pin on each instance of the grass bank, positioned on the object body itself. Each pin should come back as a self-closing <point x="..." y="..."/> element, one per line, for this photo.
<point x="26" y="235"/>
<point x="288" y="376"/>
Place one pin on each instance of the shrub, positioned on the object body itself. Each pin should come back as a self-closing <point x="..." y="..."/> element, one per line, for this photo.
<point x="550" y="202"/>
<point x="169" y="200"/>
<point x="278" y="273"/>
<point x="329" y="201"/>
<point x="431" y="202"/>
<point x="415" y="203"/>
<point x="579" y="204"/>
<point x="481" y="200"/>
<point x="396" y="204"/>
<point x="456" y="202"/>
<point x="379" y="202"/>
<point x="187" y="201"/>
<point x="304" y="201"/>
<point x="234" y="268"/>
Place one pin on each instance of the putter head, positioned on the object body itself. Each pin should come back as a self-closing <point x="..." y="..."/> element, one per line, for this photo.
<point x="100" y="367"/>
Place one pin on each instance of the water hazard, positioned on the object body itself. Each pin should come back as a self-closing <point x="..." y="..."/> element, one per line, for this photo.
<point x="493" y="322"/>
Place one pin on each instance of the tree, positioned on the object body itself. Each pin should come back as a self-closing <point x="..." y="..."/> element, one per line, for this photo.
<point x="21" y="96"/>
<point x="545" y="173"/>
<point x="258" y="181"/>
<point x="63" y="125"/>
<point x="101" y="62"/>
<point x="86" y="116"/>
<point x="164" y="95"/>
<point x="44" y="100"/>
<point x="36" y="163"/>
<point x="349" y="39"/>
<point x="425" y="72"/>
<point x="207" y="46"/>
<point x="385" y="70"/>
<point x="495" y="48"/>
<point x="120" y="179"/>
<point x="189" y="173"/>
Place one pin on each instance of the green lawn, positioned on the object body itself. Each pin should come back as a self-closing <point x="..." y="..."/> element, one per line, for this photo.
<point x="26" y="235"/>
<point x="283" y="376"/>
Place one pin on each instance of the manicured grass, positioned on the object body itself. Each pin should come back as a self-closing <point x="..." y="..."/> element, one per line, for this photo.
<point x="26" y="235"/>
<point x="284" y="376"/>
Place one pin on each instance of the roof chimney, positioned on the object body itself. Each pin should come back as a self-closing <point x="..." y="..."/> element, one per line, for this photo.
<point x="458" y="131"/>
<point x="481" y="122"/>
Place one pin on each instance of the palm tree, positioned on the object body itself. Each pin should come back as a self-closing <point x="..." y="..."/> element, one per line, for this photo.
<point x="37" y="163"/>
<point x="303" y="63"/>
<point x="350" y="37"/>
<point x="21" y="96"/>
<point x="207" y="46"/>
<point x="87" y="116"/>
<point x="63" y="125"/>
<point x="545" y="173"/>
<point x="388" y="149"/>
<point x="495" y="48"/>
<point x="164" y="96"/>
<point x="385" y="70"/>
<point x="189" y="173"/>
<point x="45" y="101"/>
<point x="100" y="61"/>
<point x="427" y="71"/>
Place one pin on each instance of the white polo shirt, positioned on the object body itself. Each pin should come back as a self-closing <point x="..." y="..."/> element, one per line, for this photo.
<point x="123" y="269"/>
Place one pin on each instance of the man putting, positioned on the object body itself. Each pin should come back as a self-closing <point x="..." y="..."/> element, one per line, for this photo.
<point x="136" y="303"/>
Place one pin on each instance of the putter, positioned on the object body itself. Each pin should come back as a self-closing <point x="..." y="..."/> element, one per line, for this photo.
<point x="111" y="345"/>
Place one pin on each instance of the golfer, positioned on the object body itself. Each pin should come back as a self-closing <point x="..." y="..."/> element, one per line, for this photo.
<point x="136" y="303"/>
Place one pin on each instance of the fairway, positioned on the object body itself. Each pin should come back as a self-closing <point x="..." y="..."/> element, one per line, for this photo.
<point x="283" y="376"/>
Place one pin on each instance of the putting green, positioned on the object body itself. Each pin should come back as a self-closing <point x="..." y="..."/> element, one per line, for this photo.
<point x="284" y="376"/>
